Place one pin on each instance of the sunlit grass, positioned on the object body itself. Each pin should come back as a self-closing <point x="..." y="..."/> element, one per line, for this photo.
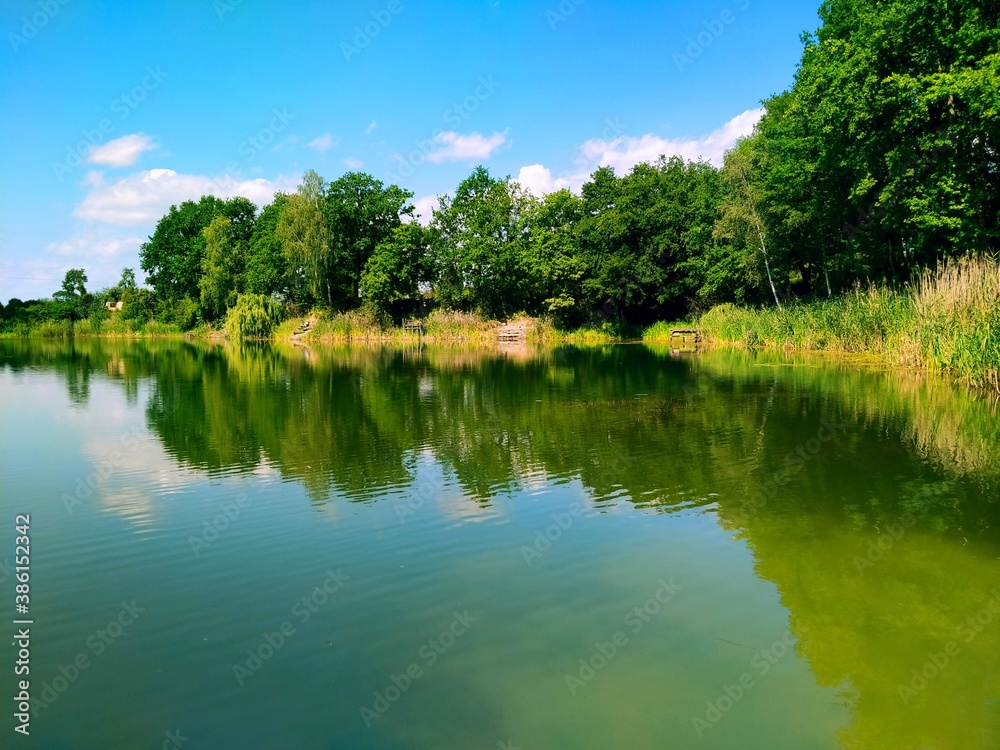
<point x="947" y="321"/>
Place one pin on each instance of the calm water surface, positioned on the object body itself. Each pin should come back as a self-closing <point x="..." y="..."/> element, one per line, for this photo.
<point x="607" y="548"/>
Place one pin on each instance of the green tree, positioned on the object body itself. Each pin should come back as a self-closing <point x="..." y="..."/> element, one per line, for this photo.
<point x="72" y="297"/>
<point x="223" y="268"/>
<point x="883" y="154"/>
<point x="127" y="280"/>
<point x="741" y="216"/>
<point x="361" y="213"/>
<point x="557" y="266"/>
<point x="642" y="234"/>
<point x="253" y="316"/>
<point x="305" y="243"/>
<point x="480" y="242"/>
<point x="392" y="276"/>
<point x="174" y="255"/>
<point x="266" y="268"/>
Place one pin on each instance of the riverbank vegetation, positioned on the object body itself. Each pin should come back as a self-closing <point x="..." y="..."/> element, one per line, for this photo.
<point x="841" y="223"/>
<point x="947" y="320"/>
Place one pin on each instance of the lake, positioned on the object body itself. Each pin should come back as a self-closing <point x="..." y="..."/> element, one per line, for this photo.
<point x="291" y="547"/>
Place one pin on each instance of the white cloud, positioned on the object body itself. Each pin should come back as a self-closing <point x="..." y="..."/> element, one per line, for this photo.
<point x="324" y="143"/>
<point x="371" y="128"/>
<point x="121" y="152"/>
<point x="99" y="247"/>
<point x="353" y="163"/>
<point x="143" y="197"/>
<point x="424" y="208"/>
<point x="452" y="146"/>
<point x="539" y="180"/>
<point x="625" y="152"/>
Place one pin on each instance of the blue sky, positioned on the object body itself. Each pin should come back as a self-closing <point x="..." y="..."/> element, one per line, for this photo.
<point x="113" y="111"/>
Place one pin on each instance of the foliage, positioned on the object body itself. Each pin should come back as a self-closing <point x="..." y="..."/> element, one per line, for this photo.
<point x="72" y="297"/>
<point x="479" y="244"/>
<point x="173" y="256"/>
<point x="946" y="321"/>
<point x="393" y="274"/>
<point x="253" y="316"/>
<point x="266" y="269"/>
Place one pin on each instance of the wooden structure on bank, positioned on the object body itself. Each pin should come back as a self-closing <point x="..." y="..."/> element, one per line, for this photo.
<point x="413" y="325"/>
<point x="685" y="333"/>
<point x="512" y="332"/>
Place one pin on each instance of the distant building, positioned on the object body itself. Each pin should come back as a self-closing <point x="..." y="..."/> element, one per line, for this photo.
<point x="113" y="305"/>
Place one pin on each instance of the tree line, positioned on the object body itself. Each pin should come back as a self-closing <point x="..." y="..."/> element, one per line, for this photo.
<point x="880" y="159"/>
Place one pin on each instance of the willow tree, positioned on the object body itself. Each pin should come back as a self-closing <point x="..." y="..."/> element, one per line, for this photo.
<point x="253" y="316"/>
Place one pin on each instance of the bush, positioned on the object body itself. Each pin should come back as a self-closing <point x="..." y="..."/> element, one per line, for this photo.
<point x="254" y="316"/>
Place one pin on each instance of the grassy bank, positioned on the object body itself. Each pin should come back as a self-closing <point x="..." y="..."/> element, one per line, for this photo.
<point x="109" y="328"/>
<point x="947" y="321"/>
<point x="440" y="326"/>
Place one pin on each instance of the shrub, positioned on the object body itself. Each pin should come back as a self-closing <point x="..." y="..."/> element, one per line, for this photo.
<point x="254" y="316"/>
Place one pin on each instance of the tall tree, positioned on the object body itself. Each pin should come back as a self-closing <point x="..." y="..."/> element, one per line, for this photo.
<point x="305" y="243"/>
<point x="223" y="268"/>
<point x="480" y="243"/>
<point x="72" y="295"/>
<point x="394" y="272"/>
<point x="174" y="254"/>
<point x="361" y="213"/>
<point x="557" y="268"/>
<point x="741" y="211"/>
<point x="266" y="267"/>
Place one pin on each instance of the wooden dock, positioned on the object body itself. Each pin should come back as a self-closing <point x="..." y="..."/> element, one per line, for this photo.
<point x="413" y="325"/>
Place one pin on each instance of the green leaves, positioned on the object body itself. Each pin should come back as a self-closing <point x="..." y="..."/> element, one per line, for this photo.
<point x="253" y="316"/>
